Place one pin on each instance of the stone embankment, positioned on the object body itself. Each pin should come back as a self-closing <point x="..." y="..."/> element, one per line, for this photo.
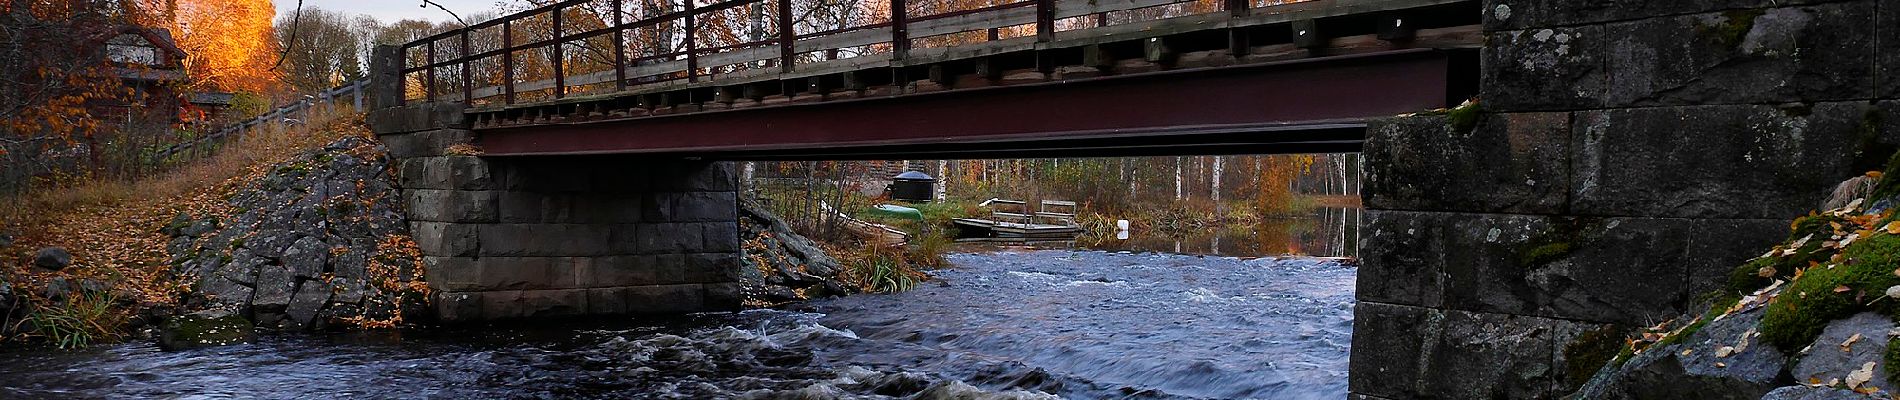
<point x="319" y="241"/>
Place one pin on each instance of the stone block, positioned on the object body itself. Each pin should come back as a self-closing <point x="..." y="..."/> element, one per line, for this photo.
<point x="607" y="300"/>
<point x="712" y="267"/>
<point x="451" y="205"/>
<point x="552" y="240"/>
<point x="426" y="143"/>
<point x="1887" y="48"/>
<point x="533" y="303"/>
<point x="1522" y="14"/>
<point x="450" y="274"/>
<point x="523" y="273"/>
<point x="694" y="176"/>
<point x="1622" y="270"/>
<point x="1514" y="163"/>
<point x="1544" y="69"/>
<point x="669" y="269"/>
<point x="1405" y="352"/>
<point x="1390" y="271"/>
<point x="616" y="271"/>
<point x="1718" y="246"/>
<point x="447" y="172"/>
<point x="447" y="239"/>
<point x="691" y="206"/>
<point x="591" y="208"/>
<point x="724" y="297"/>
<point x="1388" y="345"/>
<point x="1793" y="54"/>
<point x="1741" y="161"/>
<point x="417" y="117"/>
<point x="625" y="239"/>
<point x="719" y="237"/>
<point x="543" y="175"/>
<point x="669" y="238"/>
<point x="662" y="299"/>
<point x="610" y="208"/>
<point x="458" y="306"/>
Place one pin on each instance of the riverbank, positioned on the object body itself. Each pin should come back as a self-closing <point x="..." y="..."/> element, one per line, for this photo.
<point x="111" y="276"/>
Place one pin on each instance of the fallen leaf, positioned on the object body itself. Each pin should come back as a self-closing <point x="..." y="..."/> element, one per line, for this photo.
<point x="1814" y="381"/>
<point x="1769" y="271"/>
<point x="1792" y="247"/>
<point x="1842" y="289"/>
<point x="1893" y="291"/>
<point x="1873" y="174"/>
<point x="1849" y="344"/>
<point x="1892" y="228"/>
<point x="1860" y="376"/>
<point x="1743" y="343"/>
<point x="1687" y="351"/>
<point x="1721" y="365"/>
<point x="1724" y="352"/>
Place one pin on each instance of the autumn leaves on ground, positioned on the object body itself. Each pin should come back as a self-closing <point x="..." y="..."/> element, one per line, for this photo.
<point x="112" y="229"/>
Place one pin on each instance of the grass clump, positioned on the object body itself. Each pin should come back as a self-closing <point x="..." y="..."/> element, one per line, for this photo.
<point x="77" y="322"/>
<point x="1835" y="291"/>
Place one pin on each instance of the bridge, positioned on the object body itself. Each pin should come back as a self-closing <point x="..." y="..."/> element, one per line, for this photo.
<point x="570" y="159"/>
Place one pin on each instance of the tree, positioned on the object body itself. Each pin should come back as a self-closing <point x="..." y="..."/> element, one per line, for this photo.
<point x="320" y="50"/>
<point x="230" y="44"/>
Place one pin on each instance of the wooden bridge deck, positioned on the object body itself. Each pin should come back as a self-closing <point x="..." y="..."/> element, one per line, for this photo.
<point x="515" y="74"/>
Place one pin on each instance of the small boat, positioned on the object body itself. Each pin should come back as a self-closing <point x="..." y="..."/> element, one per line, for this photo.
<point x="1023" y="223"/>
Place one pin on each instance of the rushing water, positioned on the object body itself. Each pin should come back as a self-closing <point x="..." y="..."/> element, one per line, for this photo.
<point x="1013" y="325"/>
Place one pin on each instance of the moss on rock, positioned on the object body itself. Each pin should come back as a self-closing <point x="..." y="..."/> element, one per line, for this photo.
<point x="1833" y="292"/>
<point x="1589" y="352"/>
<point x="204" y="329"/>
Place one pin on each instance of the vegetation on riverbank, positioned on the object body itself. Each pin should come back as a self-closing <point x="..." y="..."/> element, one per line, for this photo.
<point x="112" y="228"/>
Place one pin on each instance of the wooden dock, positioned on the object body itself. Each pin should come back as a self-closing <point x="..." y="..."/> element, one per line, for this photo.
<point x="1025" y="224"/>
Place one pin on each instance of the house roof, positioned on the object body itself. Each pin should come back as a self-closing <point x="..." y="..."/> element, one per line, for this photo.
<point x="158" y="37"/>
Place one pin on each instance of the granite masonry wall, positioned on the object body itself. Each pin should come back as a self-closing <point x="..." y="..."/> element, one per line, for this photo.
<point x="1629" y="154"/>
<point x="532" y="237"/>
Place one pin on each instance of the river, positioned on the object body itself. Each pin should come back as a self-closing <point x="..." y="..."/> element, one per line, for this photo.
<point x="1005" y="324"/>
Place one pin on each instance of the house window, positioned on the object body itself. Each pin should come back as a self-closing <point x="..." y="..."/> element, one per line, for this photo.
<point x="132" y="54"/>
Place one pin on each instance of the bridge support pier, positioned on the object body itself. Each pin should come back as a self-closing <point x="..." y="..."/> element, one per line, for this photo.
<point x="1625" y="160"/>
<point x="520" y="237"/>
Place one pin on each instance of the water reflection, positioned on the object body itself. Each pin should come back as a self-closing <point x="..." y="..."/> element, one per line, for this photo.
<point x="1328" y="232"/>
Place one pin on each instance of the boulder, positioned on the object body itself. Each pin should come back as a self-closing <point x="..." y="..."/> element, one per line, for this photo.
<point x="52" y="258"/>
<point x="1816" y="393"/>
<point x="1724" y="359"/>
<point x="215" y="327"/>
<point x="1827" y="359"/>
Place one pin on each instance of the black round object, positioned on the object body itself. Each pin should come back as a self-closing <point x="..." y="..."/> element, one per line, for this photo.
<point x="913" y="186"/>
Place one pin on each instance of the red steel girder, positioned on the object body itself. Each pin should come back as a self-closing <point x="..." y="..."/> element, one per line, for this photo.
<point x="1343" y="88"/>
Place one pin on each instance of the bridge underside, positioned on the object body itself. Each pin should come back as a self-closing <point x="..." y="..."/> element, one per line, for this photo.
<point x="1300" y="106"/>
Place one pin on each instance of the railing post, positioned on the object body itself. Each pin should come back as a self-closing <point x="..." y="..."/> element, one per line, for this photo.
<point x="786" y="35"/>
<point x="900" y="31"/>
<point x="692" y="43"/>
<point x="386" y="81"/>
<point x="620" y="50"/>
<point x="560" y="76"/>
<point x="468" y="79"/>
<point x="429" y="89"/>
<point x="1237" y="41"/>
<point x="508" y="61"/>
<point x="1045" y="20"/>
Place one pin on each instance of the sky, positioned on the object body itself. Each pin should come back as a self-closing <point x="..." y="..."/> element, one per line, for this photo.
<point x="391" y="10"/>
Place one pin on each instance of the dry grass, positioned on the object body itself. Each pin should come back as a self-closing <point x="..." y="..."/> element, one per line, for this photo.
<point x="112" y="227"/>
